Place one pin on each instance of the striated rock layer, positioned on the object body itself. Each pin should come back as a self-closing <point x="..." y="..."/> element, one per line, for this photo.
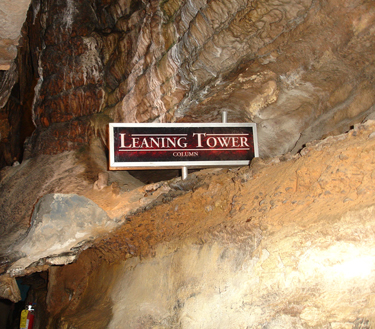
<point x="301" y="69"/>
<point x="286" y="243"/>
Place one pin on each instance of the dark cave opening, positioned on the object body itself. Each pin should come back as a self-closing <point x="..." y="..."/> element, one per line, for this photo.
<point x="33" y="289"/>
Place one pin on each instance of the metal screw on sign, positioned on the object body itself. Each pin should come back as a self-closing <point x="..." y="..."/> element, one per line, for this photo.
<point x="184" y="170"/>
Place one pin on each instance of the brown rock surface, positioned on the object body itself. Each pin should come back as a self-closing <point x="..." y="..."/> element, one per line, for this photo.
<point x="302" y="70"/>
<point x="285" y="243"/>
<point x="22" y="186"/>
<point x="12" y="17"/>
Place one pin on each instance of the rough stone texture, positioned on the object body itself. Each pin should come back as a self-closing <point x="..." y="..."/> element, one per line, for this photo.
<point x="69" y="87"/>
<point x="60" y="223"/>
<point x="71" y="172"/>
<point x="12" y="17"/>
<point x="17" y="95"/>
<point x="43" y="175"/>
<point x="301" y="69"/>
<point x="59" y="229"/>
<point x="291" y="281"/>
<point x="9" y="289"/>
<point x="274" y="245"/>
<point x="286" y="243"/>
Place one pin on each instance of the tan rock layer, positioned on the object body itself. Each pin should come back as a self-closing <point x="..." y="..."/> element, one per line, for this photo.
<point x="286" y="215"/>
<point x="301" y="70"/>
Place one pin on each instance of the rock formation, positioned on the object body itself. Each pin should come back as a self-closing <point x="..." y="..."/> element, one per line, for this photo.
<point x="284" y="243"/>
<point x="302" y="70"/>
<point x="12" y="17"/>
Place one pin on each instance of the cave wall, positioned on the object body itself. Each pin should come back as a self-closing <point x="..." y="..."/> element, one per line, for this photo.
<point x="301" y="70"/>
<point x="12" y="17"/>
<point x="286" y="243"/>
<point x="272" y="244"/>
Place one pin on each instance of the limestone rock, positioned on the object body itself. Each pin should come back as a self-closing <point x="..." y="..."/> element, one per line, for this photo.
<point x="101" y="182"/>
<point x="58" y="174"/>
<point x="286" y="243"/>
<point x="301" y="70"/>
<point x="9" y="288"/>
<point x="65" y="173"/>
<point x="12" y="17"/>
<point x="59" y="223"/>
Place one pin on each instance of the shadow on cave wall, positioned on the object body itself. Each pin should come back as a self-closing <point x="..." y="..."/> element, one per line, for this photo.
<point x="16" y="115"/>
<point x="33" y="290"/>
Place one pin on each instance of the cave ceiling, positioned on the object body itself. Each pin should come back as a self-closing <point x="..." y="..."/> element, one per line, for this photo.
<point x="300" y="69"/>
